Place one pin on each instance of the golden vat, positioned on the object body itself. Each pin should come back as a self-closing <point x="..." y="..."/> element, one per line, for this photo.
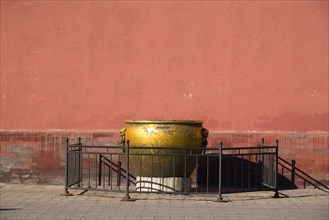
<point x="182" y="136"/>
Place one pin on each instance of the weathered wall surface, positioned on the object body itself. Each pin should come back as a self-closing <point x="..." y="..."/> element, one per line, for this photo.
<point x="248" y="67"/>
<point x="39" y="157"/>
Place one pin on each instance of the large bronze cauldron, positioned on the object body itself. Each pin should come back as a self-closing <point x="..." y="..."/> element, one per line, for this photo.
<point x="164" y="134"/>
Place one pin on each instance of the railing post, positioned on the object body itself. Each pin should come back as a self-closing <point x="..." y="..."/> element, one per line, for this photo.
<point x="80" y="162"/>
<point x="276" y="194"/>
<point x="220" y="197"/>
<point x="127" y="197"/>
<point x="100" y="169"/>
<point x="262" y="164"/>
<point x="66" y="191"/>
<point x="119" y="174"/>
<point x="293" y="167"/>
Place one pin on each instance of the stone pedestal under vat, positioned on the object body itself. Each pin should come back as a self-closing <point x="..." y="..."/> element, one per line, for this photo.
<point x="166" y="184"/>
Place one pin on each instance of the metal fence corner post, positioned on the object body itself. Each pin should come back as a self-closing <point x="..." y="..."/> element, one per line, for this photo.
<point x="293" y="170"/>
<point x="80" y="162"/>
<point x="220" y="197"/>
<point x="127" y="197"/>
<point x="66" y="191"/>
<point x="276" y="194"/>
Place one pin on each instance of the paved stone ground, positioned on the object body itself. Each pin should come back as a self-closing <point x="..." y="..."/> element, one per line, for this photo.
<point x="45" y="202"/>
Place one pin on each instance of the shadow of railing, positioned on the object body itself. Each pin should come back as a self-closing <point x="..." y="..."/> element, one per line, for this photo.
<point x="293" y="172"/>
<point x="245" y="174"/>
<point x="239" y="174"/>
<point x="117" y="168"/>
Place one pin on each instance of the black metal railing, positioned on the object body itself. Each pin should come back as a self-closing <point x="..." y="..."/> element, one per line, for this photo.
<point x="214" y="170"/>
<point x="291" y="171"/>
<point x="73" y="172"/>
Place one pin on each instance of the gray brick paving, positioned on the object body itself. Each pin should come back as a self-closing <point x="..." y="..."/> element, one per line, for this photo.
<point x="45" y="202"/>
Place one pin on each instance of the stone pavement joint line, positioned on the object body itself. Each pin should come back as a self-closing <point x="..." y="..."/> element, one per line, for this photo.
<point x="45" y="202"/>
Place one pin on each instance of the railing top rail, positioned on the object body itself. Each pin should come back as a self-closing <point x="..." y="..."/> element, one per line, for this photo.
<point x="280" y="158"/>
<point x="156" y="154"/>
<point x="249" y="148"/>
<point x="94" y="146"/>
<point x="172" y="148"/>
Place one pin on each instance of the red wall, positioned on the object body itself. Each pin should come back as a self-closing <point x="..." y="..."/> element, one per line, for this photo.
<point x="248" y="69"/>
<point x="239" y="66"/>
<point x="39" y="156"/>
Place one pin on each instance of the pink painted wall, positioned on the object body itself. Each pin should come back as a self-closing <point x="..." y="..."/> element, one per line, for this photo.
<point x="248" y="69"/>
<point x="241" y="66"/>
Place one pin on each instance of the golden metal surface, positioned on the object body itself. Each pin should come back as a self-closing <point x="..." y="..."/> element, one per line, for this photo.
<point x="187" y="122"/>
<point x="162" y="134"/>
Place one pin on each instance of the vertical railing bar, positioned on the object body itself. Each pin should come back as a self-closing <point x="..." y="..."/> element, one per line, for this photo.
<point x="220" y="198"/>
<point x="109" y="176"/>
<point x="74" y="166"/>
<point x="269" y="183"/>
<point x="127" y="197"/>
<point x="196" y="173"/>
<point x="100" y="170"/>
<point x="229" y="173"/>
<point x="264" y="172"/>
<point x="89" y="170"/>
<point x="103" y="173"/>
<point x="293" y="168"/>
<point x="82" y="156"/>
<point x="276" y="194"/>
<point x="256" y="170"/>
<point x="80" y="161"/>
<point x="274" y="159"/>
<point x="220" y="170"/>
<point x="235" y="188"/>
<point x="207" y="173"/>
<point x="96" y="162"/>
<point x="162" y="174"/>
<point x="263" y="164"/>
<point x="66" y="191"/>
<point x="185" y="178"/>
<point x="249" y="172"/>
<point x="140" y="173"/>
<point x="242" y="173"/>
<point x="282" y="172"/>
<point x="119" y="174"/>
<point x="152" y="173"/>
<point x="174" y="167"/>
<point x="272" y="169"/>
<point x="111" y="179"/>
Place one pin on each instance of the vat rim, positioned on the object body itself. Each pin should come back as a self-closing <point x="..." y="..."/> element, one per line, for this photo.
<point x="188" y="122"/>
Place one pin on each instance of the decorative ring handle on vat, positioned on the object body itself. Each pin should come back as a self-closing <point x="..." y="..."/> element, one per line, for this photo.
<point x="205" y="133"/>
<point x="123" y="137"/>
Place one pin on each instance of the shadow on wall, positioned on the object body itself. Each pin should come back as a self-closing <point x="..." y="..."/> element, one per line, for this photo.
<point x="295" y="121"/>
